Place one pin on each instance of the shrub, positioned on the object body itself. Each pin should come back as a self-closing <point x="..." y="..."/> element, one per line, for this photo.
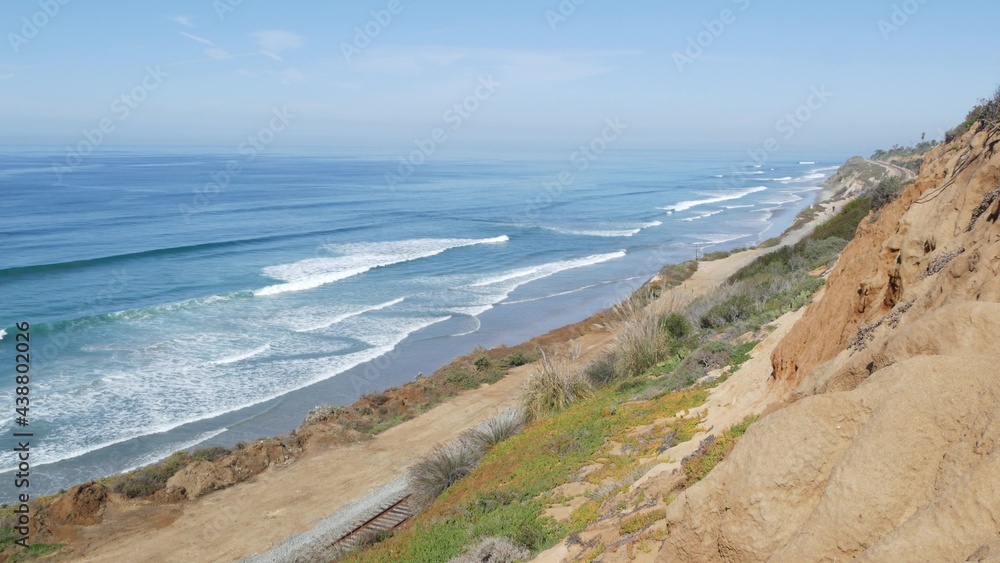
<point x="443" y="468"/>
<point x="518" y="359"/>
<point x="494" y="550"/>
<point x="602" y="370"/>
<point x="886" y="191"/>
<point x="462" y="379"/>
<point x="988" y="110"/>
<point x="209" y="454"/>
<point x="498" y="428"/>
<point x="642" y="342"/>
<point x="145" y="481"/>
<point x="552" y="388"/>
<point x="482" y="363"/>
<point x="677" y="325"/>
<point x="735" y="308"/>
<point x="844" y="224"/>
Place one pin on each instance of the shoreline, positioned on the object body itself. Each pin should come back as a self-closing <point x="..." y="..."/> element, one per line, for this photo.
<point x="322" y="480"/>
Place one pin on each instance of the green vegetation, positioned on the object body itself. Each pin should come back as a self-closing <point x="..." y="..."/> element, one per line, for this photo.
<point x="712" y="451"/>
<point x="778" y="282"/>
<point x="911" y="158"/>
<point x="377" y="412"/>
<point x="712" y="256"/>
<point x="886" y="191"/>
<point x="639" y="522"/>
<point x="505" y="496"/>
<point x="34" y="552"/>
<point x="987" y="111"/>
<point x="671" y="275"/>
<point x="147" y="480"/>
<point x="586" y="418"/>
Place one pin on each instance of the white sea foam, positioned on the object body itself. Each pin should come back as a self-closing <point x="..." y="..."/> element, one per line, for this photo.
<point x="241" y="356"/>
<point x="719" y="238"/>
<point x="811" y="177"/>
<point x="344" y="316"/>
<point x="703" y="216"/>
<point x="537" y="272"/>
<point x="789" y="197"/>
<point x="807" y="162"/>
<point x="169" y="394"/>
<point x="715" y="198"/>
<point x="357" y="258"/>
<point x="624" y="231"/>
<point x="487" y="292"/>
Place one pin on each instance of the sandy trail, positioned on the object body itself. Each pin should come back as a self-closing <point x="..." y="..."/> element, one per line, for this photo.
<point x="259" y="515"/>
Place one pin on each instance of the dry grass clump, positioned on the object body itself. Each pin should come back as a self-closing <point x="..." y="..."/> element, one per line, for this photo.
<point x="642" y="342"/>
<point x="494" y="550"/>
<point x="444" y="467"/>
<point x="498" y="428"/>
<point x="552" y="388"/>
<point x="447" y="464"/>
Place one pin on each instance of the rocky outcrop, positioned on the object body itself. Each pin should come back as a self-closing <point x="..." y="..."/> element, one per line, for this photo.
<point x="888" y="446"/>
<point x="201" y="477"/>
<point x="82" y="505"/>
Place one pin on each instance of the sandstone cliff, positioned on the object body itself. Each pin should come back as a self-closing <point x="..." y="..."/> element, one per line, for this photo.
<point x="888" y="445"/>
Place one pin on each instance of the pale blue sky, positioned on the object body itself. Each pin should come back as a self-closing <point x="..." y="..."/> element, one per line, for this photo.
<point x="223" y="72"/>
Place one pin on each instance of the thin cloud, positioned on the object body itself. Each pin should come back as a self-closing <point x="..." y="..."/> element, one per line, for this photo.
<point x="277" y="40"/>
<point x="197" y="38"/>
<point x="217" y="54"/>
<point x="183" y="20"/>
<point x="6" y="76"/>
<point x="290" y="75"/>
<point x="534" y="65"/>
<point x="273" y="56"/>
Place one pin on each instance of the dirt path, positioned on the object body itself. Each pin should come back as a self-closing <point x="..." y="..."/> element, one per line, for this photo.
<point x="259" y="515"/>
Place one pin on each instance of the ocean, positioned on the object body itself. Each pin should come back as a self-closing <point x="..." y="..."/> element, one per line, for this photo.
<point x="182" y="298"/>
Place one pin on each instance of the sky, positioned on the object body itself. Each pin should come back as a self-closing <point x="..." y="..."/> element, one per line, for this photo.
<point x="847" y="76"/>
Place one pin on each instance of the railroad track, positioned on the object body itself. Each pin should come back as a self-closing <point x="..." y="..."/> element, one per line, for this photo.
<point x="388" y="519"/>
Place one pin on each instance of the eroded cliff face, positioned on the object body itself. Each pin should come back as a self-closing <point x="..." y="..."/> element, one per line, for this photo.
<point x="919" y="255"/>
<point x="888" y="448"/>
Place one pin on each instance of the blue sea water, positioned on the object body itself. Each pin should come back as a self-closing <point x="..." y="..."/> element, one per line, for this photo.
<point x="182" y="298"/>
